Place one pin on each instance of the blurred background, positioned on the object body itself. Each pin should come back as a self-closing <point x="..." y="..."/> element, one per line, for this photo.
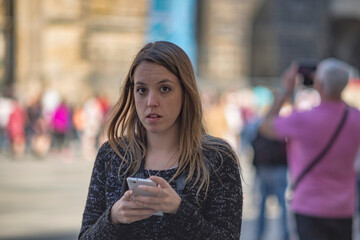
<point x="62" y="63"/>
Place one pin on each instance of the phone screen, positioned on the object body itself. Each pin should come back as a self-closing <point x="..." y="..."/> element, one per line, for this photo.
<point x="135" y="182"/>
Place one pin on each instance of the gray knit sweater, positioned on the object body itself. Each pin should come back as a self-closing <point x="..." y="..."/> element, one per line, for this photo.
<point x="219" y="215"/>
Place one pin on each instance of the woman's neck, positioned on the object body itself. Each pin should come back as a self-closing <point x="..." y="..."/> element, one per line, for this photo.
<point x="161" y="153"/>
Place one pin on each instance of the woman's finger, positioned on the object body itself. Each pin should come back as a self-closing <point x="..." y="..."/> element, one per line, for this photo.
<point x="160" y="182"/>
<point x="128" y="195"/>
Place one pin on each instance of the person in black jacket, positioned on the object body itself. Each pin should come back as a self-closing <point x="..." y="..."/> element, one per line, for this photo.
<point x="156" y="131"/>
<point x="270" y="162"/>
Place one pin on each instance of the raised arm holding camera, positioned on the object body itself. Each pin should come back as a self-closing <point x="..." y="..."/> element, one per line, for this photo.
<point x="322" y="144"/>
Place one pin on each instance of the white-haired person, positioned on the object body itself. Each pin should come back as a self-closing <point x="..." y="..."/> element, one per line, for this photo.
<point x="322" y="144"/>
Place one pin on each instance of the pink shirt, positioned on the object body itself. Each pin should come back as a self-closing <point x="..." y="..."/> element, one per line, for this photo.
<point x="61" y="119"/>
<point x="329" y="188"/>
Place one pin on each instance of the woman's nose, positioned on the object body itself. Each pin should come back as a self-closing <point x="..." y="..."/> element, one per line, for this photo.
<point x="152" y="100"/>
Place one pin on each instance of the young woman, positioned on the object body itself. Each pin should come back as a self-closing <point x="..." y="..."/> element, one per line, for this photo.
<point x="156" y="132"/>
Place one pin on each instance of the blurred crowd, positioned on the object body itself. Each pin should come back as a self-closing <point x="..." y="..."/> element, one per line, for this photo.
<point x="228" y="114"/>
<point x="236" y="115"/>
<point x="48" y="124"/>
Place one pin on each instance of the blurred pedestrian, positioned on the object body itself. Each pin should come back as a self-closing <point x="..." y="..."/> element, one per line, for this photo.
<point x="93" y="114"/>
<point x="78" y="120"/>
<point x="214" y="116"/>
<point x="6" y="108"/>
<point x="322" y="145"/>
<point x="105" y="107"/>
<point x="37" y="129"/>
<point x="41" y="141"/>
<point x="61" y="125"/>
<point x="270" y="162"/>
<point x="156" y="132"/>
<point x="33" y="111"/>
<point x="16" y="129"/>
<point x="357" y="169"/>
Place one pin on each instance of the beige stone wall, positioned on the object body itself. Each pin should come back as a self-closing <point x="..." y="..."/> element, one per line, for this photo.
<point x="225" y="41"/>
<point x="78" y="47"/>
<point x="81" y="47"/>
<point x="2" y="40"/>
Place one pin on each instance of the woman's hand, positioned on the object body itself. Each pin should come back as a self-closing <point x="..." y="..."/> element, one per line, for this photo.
<point x="166" y="200"/>
<point x="126" y="210"/>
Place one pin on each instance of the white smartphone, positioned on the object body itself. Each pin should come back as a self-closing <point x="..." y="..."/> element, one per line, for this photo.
<point x="135" y="182"/>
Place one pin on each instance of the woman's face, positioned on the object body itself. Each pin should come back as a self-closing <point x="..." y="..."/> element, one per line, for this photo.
<point x="158" y="98"/>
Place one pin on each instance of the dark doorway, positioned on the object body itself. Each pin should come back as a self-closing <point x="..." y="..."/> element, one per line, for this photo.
<point x="10" y="41"/>
<point x="345" y="40"/>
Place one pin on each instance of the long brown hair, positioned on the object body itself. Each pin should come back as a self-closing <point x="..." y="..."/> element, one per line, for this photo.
<point x="126" y="132"/>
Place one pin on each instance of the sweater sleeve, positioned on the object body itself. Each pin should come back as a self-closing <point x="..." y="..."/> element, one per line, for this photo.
<point x="221" y="215"/>
<point x="96" y="223"/>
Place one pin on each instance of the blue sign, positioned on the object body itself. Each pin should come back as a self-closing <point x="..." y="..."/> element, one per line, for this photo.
<point x="174" y="21"/>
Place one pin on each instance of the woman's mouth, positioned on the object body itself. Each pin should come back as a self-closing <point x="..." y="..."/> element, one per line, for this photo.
<point x="153" y="116"/>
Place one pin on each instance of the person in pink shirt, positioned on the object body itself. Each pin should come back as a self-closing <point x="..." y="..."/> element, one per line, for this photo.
<point x="324" y="199"/>
<point x="61" y="124"/>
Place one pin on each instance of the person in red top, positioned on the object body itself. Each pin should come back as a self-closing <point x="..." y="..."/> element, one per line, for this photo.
<point x="16" y="129"/>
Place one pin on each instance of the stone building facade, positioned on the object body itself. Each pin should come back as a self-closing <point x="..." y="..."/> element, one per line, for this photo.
<point x="284" y="31"/>
<point x="84" y="47"/>
<point x="80" y="48"/>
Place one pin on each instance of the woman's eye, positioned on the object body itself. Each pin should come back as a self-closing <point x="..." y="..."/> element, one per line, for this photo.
<point x="141" y="90"/>
<point x="165" y="89"/>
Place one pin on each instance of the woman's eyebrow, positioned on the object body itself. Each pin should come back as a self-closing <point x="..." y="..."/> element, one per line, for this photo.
<point x="165" y="81"/>
<point x="160" y="82"/>
<point x="140" y="83"/>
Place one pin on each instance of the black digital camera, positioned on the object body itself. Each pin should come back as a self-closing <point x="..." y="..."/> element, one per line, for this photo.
<point x="307" y="68"/>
